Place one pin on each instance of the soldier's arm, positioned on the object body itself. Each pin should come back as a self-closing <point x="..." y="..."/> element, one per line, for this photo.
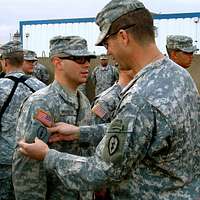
<point x="29" y="176"/>
<point x="124" y="145"/>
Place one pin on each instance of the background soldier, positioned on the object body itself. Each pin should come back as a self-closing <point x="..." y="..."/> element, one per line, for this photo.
<point x="60" y="101"/>
<point x="180" y="49"/>
<point x="14" y="88"/>
<point x="104" y="75"/>
<point x="41" y="72"/>
<point x="106" y="103"/>
<point x="32" y="67"/>
<point x="30" y="61"/>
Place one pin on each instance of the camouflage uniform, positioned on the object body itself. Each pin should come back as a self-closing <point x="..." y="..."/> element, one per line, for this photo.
<point x="103" y="77"/>
<point x="9" y="121"/>
<point x="30" y="179"/>
<point x="105" y="104"/>
<point x="41" y="72"/>
<point x="82" y="88"/>
<point x="181" y="42"/>
<point x="147" y="152"/>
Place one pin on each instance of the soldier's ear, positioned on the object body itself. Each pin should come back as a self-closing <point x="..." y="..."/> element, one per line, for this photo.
<point x="56" y="61"/>
<point x="173" y="55"/>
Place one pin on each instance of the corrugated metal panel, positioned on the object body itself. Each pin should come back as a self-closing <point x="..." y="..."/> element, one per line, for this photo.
<point x="36" y="34"/>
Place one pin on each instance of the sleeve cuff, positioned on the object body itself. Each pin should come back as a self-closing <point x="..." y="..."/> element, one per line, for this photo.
<point x="50" y="159"/>
<point x="84" y="133"/>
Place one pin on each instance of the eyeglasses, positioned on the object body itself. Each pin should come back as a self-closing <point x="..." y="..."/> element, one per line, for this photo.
<point x="77" y="59"/>
<point x="33" y="62"/>
<point x="105" y="43"/>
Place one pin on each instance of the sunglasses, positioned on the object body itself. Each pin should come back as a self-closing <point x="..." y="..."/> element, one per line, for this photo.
<point x="34" y="62"/>
<point x="77" y="59"/>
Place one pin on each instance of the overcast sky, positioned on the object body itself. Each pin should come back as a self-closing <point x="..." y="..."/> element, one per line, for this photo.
<point x="14" y="11"/>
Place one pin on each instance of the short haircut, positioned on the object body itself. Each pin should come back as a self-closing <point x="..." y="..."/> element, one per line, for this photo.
<point x="15" y="59"/>
<point x="139" y="23"/>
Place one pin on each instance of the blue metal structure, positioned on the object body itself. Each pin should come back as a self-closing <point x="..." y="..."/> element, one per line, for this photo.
<point x="92" y="19"/>
<point x="165" y="21"/>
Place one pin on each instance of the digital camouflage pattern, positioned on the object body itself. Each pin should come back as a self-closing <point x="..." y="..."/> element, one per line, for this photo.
<point x="9" y="48"/>
<point x="82" y="88"/>
<point x="41" y="72"/>
<point x="9" y="121"/>
<point x="69" y="45"/>
<point x="30" y="179"/>
<point x="147" y="152"/>
<point x="181" y="42"/>
<point x="112" y="11"/>
<point x="103" y="77"/>
<point x="30" y="55"/>
<point x="105" y="104"/>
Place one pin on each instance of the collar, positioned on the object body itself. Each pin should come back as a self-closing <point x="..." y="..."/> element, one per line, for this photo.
<point x="67" y="96"/>
<point x="143" y="71"/>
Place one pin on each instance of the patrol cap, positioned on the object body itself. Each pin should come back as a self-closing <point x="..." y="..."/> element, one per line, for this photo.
<point x="112" y="11"/>
<point x="103" y="57"/>
<point x="10" y="47"/>
<point x="63" y="46"/>
<point x="181" y="42"/>
<point x="30" y="55"/>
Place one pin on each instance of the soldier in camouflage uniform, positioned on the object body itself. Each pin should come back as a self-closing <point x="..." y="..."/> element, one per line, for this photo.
<point x="32" y="67"/>
<point x="11" y="60"/>
<point x="30" y="61"/>
<point x="41" y="72"/>
<point x="61" y="101"/>
<point x="180" y="49"/>
<point x="147" y="152"/>
<point x="104" y="107"/>
<point x="106" y="102"/>
<point x="104" y="75"/>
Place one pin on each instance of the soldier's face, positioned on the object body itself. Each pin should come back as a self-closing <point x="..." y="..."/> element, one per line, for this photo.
<point x="74" y="72"/>
<point x="183" y="59"/>
<point x="28" y="66"/>
<point x="104" y="62"/>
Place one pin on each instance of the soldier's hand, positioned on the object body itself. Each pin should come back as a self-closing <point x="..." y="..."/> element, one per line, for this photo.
<point x="62" y="137"/>
<point x="36" y="150"/>
<point x="62" y="131"/>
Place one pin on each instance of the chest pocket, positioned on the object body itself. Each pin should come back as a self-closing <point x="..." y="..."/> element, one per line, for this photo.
<point x="68" y="114"/>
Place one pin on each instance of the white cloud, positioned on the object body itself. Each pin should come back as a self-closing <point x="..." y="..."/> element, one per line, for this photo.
<point x="13" y="11"/>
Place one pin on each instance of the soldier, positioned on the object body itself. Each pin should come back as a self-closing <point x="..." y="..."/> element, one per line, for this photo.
<point x="180" y="49"/>
<point x="60" y="101"/>
<point x="30" y="61"/>
<point x="32" y="67"/>
<point x="14" y="88"/>
<point x="41" y="72"/>
<point x="147" y="152"/>
<point x="106" y="102"/>
<point x="104" y="75"/>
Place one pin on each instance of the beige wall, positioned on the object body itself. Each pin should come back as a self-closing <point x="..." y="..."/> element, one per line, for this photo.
<point x="194" y="70"/>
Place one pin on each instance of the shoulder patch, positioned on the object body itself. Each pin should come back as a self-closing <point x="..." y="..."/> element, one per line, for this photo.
<point x="98" y="110"/>
<point x="114" y="141"/>
<point x="113" y="144"/>
<point x="44" y="117"/>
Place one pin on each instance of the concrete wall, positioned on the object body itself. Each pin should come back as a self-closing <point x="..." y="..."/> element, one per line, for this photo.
<point x="194" y="70"/>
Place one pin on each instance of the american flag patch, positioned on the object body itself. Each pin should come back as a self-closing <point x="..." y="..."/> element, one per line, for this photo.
<point x="98" y="110"/>
<point x="44" y="117"/>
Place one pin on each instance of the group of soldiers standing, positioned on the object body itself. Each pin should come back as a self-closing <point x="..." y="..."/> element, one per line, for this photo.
<point x="138" y="140"/>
